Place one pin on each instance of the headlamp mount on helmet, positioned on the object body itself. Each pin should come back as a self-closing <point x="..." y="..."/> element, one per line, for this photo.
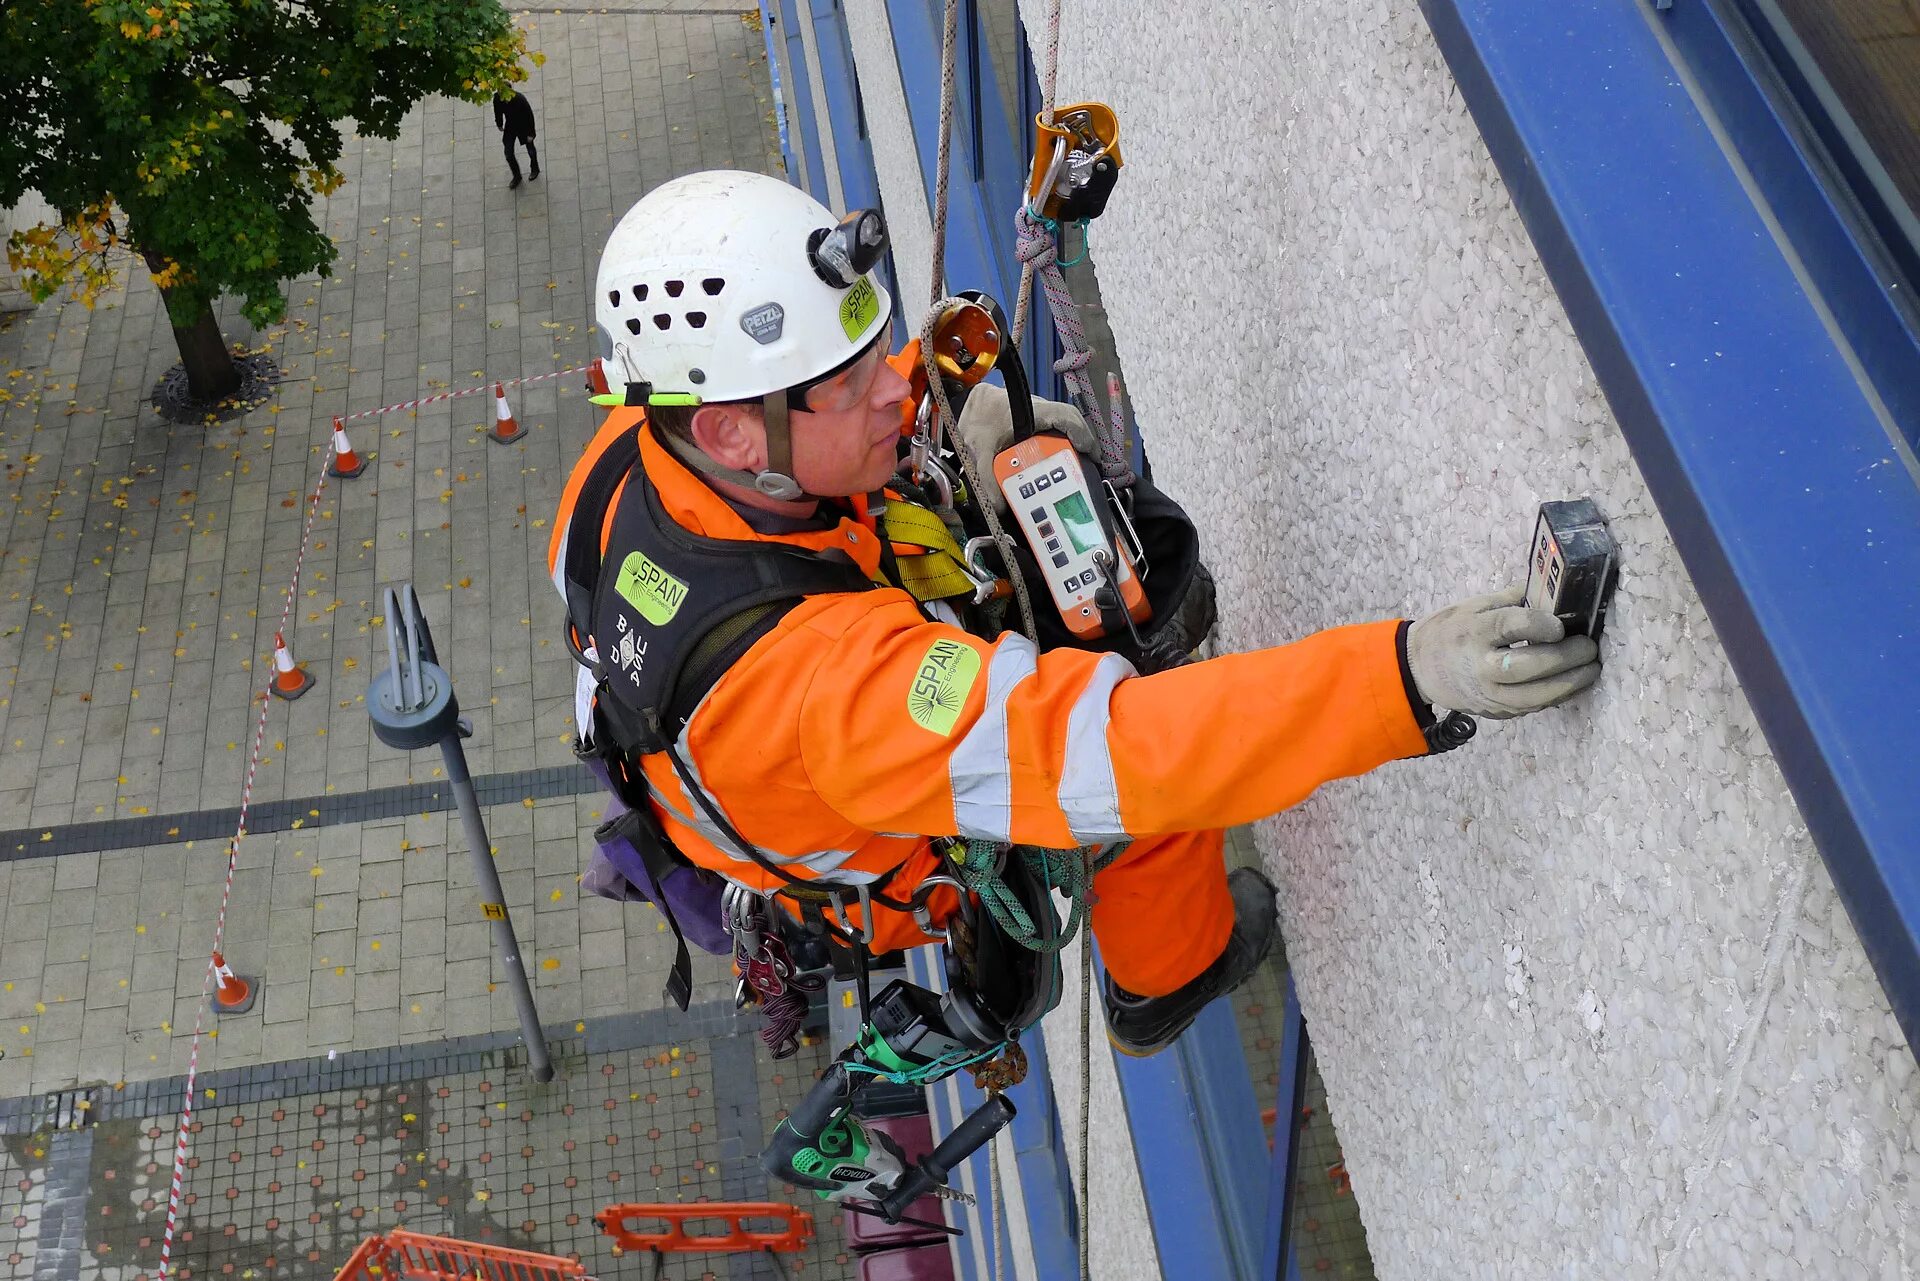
<point x="843" y="253"/>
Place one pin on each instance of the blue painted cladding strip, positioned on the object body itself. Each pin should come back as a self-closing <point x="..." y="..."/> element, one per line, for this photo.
<point x="842" y="92"/>
<point x="1792" y="502"/>
<point x="1046" y="1179"/>
<point x="970" y="254"/>
<point x="852" y="148"/>
<point x="1228" y="1112"/>
<point x="768" y="28"/>
<point x="1287" y="1101"/>
<point x="1858" y="276"/>
<point x="1178" y="1168"/>
<point x="813" y="178"/>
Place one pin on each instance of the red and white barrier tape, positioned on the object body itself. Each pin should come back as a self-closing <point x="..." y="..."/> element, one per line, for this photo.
<point x="465" y="391"/>
<point x="226" y="892"/>
<point x="246" y="791"/>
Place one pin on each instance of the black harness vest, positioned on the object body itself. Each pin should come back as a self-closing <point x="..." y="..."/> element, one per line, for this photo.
<point x="678" y="609"/>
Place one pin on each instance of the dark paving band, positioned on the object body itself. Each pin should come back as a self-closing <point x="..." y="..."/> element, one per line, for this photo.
<point x="279" y="816"/>
<point x="364" y="1069"/>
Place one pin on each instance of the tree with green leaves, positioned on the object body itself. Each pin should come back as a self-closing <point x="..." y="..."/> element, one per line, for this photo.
<point x="196" y="133"/>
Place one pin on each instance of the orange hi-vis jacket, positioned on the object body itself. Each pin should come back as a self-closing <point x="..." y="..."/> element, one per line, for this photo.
<point x="857" y="729"/>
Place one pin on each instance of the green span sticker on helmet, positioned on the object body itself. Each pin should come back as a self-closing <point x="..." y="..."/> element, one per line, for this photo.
<point x="859" y="308"/>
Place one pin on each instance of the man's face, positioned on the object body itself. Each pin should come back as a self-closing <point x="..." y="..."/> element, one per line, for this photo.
<point x="845" y="441"/>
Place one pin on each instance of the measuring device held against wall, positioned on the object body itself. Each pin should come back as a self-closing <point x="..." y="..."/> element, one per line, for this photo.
<point x="1572" y="565"/>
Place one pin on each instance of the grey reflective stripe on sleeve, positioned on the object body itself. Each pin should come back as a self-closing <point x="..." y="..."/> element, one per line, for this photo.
<point x="1089" y="795"/>
<point x="558" y="570"/>
<point x="981" y="776"/>
<point x="819" y="863"/>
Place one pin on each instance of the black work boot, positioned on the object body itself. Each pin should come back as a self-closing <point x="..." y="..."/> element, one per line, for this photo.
<point x="1144" y="1025"/>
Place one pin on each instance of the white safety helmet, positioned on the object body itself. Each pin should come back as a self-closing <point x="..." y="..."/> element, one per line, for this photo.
<point x="731" y="286"/>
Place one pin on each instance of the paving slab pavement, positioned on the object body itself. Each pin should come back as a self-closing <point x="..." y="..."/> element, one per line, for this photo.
<point x="143" y="567"/>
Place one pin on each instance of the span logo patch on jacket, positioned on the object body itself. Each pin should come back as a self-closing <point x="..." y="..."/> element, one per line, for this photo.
<point x="650" y="589"/>
<point x="940" y="686"/>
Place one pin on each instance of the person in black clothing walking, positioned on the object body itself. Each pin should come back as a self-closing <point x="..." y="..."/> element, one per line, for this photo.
<point x="513" y="117"/>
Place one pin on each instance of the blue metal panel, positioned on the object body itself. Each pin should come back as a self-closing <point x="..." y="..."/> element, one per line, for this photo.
<point x="768" y="34"/>
<point x="1785" y="483"/>
<point x="1046" y="1179"/>
<point x="813" y="177"/>
<point x="1847" y="260"/>
<point x="840" y="83"/>
<point x="971" y="259"/>
<point x="1228" y="1113"/>
<point x="1200" y="1187"/>
<point x="1288" y="1099"/>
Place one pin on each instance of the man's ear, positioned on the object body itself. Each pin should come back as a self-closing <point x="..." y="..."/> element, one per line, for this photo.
<point x="732" y="435"/>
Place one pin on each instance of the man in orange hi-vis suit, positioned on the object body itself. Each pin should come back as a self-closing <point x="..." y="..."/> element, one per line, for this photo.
<point x="839" y="724"/>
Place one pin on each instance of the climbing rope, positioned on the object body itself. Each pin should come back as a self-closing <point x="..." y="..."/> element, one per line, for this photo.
<point x="1101" y="428"/>
<point x="1038" y="248"/>
<point x="1069" y="871"/>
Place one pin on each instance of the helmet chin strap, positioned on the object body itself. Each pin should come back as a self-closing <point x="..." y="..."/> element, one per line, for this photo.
<point x="776" y="481"/>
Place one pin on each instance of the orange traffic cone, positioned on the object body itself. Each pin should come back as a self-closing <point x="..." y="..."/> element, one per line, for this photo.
<point x="346" y="463"/>
<point x="505" y="430"/>
<point x="289" y="682"/>
<point x="232" y="994"/>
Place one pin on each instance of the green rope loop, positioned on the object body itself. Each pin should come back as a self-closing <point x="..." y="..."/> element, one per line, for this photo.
<point x="1071" y="872"/>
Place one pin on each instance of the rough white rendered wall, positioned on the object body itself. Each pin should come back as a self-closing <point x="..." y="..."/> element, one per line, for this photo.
<point x="1585" y="1000"/>
<point x="896" y="163"/>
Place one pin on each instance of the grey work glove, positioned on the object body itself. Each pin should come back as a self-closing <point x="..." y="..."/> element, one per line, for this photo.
<point x="1462" y="657"/>
<point x="986" y="427"/>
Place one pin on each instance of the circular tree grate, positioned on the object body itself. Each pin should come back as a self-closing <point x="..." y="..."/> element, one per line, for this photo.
<point x="177" y="404"/>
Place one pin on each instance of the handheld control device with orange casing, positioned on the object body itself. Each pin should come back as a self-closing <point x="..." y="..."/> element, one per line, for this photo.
<point x="1055" y="495"/>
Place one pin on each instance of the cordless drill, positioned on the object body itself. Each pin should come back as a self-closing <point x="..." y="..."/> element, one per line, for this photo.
<point x="911" y="1036"/>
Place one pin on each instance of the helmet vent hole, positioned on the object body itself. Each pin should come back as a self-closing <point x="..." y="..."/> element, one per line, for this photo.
<point x="662" y="321"/>
<point x="675" y="287"/>
<point x="713" y="285"/>
<point x="639" y="293"/>
<point x="633" y="325"/>
<point x="698" y="319"/>
<point x="613" y="297"/>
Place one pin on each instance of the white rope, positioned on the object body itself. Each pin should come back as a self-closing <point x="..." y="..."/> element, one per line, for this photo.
<point x="948" y="45"/>
<point x="1048" y="78"/>
<point x="949" y="41"/>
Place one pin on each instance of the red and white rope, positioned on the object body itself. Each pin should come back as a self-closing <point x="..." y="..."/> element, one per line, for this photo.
<point x="464" y="391"/>
<point x="226" y="892"/>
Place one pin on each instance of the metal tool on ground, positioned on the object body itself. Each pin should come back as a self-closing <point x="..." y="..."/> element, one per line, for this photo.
<point x="232" y="994"/>
<point x="412" y="706"/>
<point x="290" y="681"/>
<point x="792" y="1235"/>
<point x="345" y="463"/>
<point x="401" y="1255"/>
<point x="506" y="429"/>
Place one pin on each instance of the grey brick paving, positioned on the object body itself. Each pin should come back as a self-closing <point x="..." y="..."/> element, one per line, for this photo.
<point x="142" y="567"/>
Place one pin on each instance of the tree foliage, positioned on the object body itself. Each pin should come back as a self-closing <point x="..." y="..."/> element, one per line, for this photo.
<point x="197" y="132"/>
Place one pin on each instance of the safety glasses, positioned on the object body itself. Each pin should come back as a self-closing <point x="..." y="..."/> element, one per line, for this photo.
<point x="842" y="388"/>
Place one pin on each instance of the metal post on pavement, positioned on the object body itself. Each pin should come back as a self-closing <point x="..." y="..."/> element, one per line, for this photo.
<point x="412" y="706"/>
